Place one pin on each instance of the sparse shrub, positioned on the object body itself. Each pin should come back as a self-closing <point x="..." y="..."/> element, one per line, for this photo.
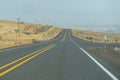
<point x="1" y="26"/>
<point x="21" y="22"/>
<point x="116" y="40"/>
<point x="90" y="38"/>
<point x="0" y="37"/>
<point x="26" y="27"/>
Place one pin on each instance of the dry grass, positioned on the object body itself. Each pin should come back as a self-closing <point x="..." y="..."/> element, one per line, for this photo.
<point x="96" y="36"/>
<point x="28" y="33"/>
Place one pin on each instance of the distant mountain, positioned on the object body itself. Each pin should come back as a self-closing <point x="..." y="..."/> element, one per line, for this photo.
<point x="101" y="28"/>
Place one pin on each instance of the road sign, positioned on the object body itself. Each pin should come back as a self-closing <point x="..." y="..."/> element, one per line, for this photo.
<point x="16" y="30"/>
<point x="105" y="37"/>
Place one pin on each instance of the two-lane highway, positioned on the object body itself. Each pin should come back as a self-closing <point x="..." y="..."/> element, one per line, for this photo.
<point x="59" y="59"/>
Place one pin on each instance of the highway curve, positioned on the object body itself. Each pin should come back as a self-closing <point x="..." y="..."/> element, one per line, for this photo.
<point x="62" y="58"/>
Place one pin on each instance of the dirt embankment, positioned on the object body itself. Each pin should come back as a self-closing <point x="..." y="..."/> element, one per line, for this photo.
<point x="14" y="34"/>
<point x="96" y="36"/>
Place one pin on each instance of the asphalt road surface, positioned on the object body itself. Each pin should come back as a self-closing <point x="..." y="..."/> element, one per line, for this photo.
<point x="62" y="58"/>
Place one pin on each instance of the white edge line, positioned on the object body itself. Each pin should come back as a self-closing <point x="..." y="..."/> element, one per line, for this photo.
<point x="100" y="65"/>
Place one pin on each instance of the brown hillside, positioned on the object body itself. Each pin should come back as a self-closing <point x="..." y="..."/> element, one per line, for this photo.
<point x="96" y="36"/>
<point x="27" y="35"/>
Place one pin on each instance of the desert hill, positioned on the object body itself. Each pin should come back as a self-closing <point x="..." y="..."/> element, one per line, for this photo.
<point x="14" y="33"/>
<point x="96" y="36"/>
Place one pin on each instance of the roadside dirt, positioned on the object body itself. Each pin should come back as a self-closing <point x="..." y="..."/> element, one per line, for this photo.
<point x="110" y="55"/>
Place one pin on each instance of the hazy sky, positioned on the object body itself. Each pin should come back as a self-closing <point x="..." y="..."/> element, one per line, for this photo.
<point x="64" y="13"/>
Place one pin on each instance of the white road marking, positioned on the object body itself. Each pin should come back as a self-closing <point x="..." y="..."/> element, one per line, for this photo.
<point x="101" y="66"/>
<point x="112" y="76"/>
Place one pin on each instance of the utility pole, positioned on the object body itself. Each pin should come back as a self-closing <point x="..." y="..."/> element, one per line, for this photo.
<point x="93" y="26"/>
<point x="105" y="46"/>
<point x="17" y="31"/>
<point x="36" y="23"/>
<point x="18" y="20"/>
<point x="48" y="22"/>
<point x="16" y="39"/>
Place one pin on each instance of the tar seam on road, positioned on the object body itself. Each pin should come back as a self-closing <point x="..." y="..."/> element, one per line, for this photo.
<point x="26" y="60"/>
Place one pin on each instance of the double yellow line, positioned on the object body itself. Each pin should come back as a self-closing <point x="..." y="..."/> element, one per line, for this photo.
<point x="23" y="60"/>
<point x="63" y="38"/>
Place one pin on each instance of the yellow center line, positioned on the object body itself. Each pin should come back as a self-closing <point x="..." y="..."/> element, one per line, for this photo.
<point x="26" y="60"/>
<point x="13" y="62"/>
<point x="63" y="38"/>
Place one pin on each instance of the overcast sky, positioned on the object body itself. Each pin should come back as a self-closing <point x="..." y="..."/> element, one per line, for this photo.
<point x="66" y="13"/>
